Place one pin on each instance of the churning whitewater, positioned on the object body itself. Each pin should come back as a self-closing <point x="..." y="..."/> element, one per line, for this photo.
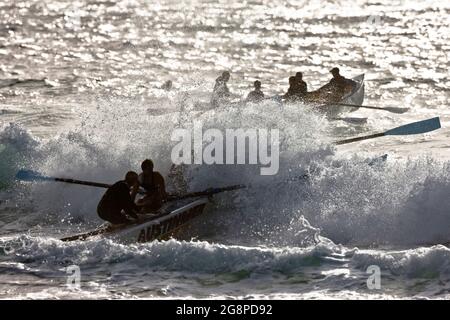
<point x="80" y="97"/>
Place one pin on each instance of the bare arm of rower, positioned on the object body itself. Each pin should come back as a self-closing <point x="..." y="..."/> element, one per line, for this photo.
<point x="127" y="202"/>
<point x="134" y="191"/>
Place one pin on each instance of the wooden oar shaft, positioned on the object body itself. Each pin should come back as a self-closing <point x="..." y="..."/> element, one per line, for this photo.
<point x="376" y="135"/>
<point x="29" y="175"/>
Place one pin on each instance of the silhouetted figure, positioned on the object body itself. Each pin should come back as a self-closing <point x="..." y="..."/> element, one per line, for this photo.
<point x="256" y="95"/>
<point x="293" y="92"/>
<point x="221" y="92"/>
<point x="338" y="86"/>
<point x="302" y="87"/>
<point x="117" y="204"/>
<point x="154" y="186"/>
<point x="167" y="85"/>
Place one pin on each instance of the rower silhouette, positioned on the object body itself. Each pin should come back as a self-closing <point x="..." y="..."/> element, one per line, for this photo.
<point x="221" y="93"/>
<point x="117" y="204"/>
<point x="154" y="186"/>
<point x="256" y="95"/>
<point x="293" y="93"/>
<point x="338" y="86"/>
<point x="302" y="88"/>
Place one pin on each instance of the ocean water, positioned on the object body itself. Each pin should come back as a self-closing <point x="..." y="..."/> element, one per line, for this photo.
<point x="80" y="97"/>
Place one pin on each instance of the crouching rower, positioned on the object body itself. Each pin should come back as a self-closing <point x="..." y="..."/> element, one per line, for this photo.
<point x="154" y="186"/>
<point x="117" y="204"/>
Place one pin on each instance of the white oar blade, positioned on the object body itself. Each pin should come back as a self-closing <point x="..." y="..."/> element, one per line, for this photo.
<point x="416" y="127"/>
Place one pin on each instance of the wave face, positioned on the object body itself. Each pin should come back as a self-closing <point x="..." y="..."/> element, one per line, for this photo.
<point x="348" y="200"/>
<point x="203" y="269"/>
<point x="90" y="106"/>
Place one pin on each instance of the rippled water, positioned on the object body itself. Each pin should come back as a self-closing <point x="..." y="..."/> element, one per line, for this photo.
<point x="80" y="96"/>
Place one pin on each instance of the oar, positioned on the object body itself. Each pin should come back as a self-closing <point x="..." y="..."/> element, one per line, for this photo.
<point x="352" y="120"/>
<point x="29" y="175"/>
<point x="389" y="109"/>
<point x="412" y="128"/>
<point x="207" y="192"/>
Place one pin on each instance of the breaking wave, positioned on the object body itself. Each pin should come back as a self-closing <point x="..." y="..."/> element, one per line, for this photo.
<point x="346" y="200"/>
<point x="48" y="254"/>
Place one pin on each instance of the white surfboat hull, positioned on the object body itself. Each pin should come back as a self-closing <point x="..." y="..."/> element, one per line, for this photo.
<point x="355" y="97"/>
<point x="151" y="227"/>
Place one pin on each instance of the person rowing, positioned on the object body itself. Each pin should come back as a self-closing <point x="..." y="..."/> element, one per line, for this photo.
<point x="293" y="94"/>
<point x="221" y="91"/>
<point x="256" y="95"/>
<point x="117" y="204"/>
<point x="153" y="184"/>
<point x="338" y="86"/>
<point x="302" y="88"/>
